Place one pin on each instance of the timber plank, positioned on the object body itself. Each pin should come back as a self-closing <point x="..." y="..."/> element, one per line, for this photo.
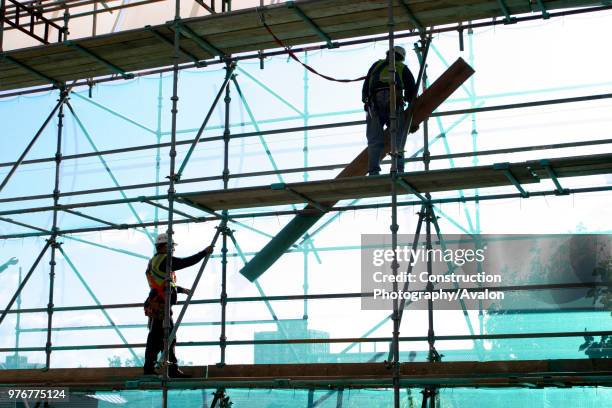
<point x="446" y="374"/>
<point x="241" y="31"/>
<point x="332" y="191"/>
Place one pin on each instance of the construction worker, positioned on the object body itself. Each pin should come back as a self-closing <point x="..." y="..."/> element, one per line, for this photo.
<point x="375" y="96"/>
<point x="154" y="305"/>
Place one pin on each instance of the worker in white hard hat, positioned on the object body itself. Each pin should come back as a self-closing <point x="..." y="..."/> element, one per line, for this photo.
<point x="155" y="304"/>
<point x="375" y="96"/>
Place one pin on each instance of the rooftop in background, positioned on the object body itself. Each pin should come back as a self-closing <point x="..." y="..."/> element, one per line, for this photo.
<point x="212" y="37"/>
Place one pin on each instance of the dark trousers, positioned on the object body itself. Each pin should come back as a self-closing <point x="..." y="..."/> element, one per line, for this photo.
<point x="376" y="120"/>
<point x="155" y="343"/>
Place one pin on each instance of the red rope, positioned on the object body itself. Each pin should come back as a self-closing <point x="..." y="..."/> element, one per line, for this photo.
<point x="309" y="68"/>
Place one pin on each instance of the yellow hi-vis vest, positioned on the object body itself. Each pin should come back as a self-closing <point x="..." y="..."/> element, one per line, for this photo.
<point x="156" y="276"/>
<point x="381" y="74"/>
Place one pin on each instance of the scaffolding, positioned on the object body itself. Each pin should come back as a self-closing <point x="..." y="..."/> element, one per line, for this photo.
<point x="94" y="60"/>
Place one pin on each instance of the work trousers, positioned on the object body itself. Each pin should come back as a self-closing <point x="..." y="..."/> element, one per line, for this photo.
<point x="155" y="343"/>
<point x="377" y="118"/>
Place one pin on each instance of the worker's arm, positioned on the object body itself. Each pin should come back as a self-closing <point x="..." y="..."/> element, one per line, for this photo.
<point x="409" y="85"/>
<point x="365" y="90"/>
<point x="182" y="263"/>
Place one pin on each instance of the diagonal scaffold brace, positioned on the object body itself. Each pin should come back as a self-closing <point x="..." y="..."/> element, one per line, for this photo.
<point x="24" y="281"/>
<point x="63" y="97"/>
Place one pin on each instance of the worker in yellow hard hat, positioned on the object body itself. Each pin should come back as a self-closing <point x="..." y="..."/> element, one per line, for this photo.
<point x="155" y="304"/>
<point x="375" y="96"/>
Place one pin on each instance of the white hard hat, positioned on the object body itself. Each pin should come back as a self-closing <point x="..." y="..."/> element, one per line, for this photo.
<point x="400" y="51"/>
<point x="162" y="239"/>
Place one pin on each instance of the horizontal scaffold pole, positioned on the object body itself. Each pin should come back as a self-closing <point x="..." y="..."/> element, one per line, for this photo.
<point x="328" y="167"/>
<point x="279" y="213"/>
<point x="340" y="340"/>
<point x="342" y="124"/>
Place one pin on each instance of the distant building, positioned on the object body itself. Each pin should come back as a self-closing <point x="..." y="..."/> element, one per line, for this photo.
<point x="16" y="361"/>
<point x="291" y="353"/>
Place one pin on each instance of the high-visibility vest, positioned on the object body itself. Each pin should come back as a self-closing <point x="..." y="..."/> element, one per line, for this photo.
<point x="380" y="75"/>
<point x="156" y="276"/>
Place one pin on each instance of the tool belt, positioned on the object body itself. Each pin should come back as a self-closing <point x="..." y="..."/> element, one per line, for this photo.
<point x="154" y="307"/>
<point x="154" y="304"/>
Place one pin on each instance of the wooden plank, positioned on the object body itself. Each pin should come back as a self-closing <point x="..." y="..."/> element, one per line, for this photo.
<point x="446" y="374"/>
<point x="140" y="58"/>
<point x="87" y="67"/>
<point x="116" y="50"/>
<point x="422" y="107"/>
<point x="330" y="192"/>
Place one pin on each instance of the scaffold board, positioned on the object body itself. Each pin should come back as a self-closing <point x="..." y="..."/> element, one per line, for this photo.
<point x="240" y="31"/>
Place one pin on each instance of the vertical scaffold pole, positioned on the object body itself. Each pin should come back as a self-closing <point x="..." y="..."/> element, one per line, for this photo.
<point x="158" y="133"/>
<point x="393" y="130"/>
<point x="54" y="229"/>
<point x="305" y="176"/>
<point x="171" y="193"/>
<point x="18" y="323"/>
<point x="474" y="134"/>
<point x="226" y="139"/>
<point x="429" y="214"/>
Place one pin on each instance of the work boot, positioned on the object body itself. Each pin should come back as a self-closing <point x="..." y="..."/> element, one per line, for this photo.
<point x="175" y="372"/>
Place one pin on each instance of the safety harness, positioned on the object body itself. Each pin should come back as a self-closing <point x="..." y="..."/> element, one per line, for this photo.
<point x="381" y="78"/>
<point x="156" y="277"/>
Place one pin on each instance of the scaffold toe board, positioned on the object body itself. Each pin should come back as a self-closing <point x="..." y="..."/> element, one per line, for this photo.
<point x="333" y="190"/>
<point x="240" y="31"/>
<point x="518" y="373"/>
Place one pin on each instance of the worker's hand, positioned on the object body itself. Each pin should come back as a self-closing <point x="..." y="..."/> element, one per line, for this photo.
<point x="209" y="250"/>
<point x="414" y="128"/>
<point x="187" y="291"/>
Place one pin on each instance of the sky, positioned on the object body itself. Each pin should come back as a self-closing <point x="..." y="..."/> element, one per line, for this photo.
<point x="558" y="58"/>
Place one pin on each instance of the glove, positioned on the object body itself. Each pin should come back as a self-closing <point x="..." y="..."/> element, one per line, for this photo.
<point x="209" y="250"/>
<point x="414" y="128"/>
<point x="180" y="289"/>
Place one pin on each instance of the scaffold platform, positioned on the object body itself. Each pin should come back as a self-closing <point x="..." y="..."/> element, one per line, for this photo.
<point x="222" y="34"/>
<point x="322" y="192"/>
<point x="518" y="373"/>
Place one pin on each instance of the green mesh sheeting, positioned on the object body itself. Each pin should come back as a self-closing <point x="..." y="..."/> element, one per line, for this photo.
<point x="410" y="398"/>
